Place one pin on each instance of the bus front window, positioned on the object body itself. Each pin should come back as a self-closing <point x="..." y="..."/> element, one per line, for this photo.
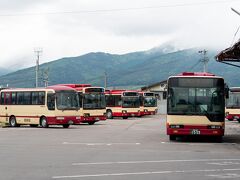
<point x="94" y="101"/>
<point x="67" y="100"/>
<point x="130" y="102"/>
<point x="207" y="100"/>
<point x="150" y="102"/>
<point x="233" y="101"/>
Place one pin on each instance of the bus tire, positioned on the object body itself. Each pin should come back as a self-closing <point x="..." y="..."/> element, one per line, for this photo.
<point x="91" y="123"/>
<point x="43" y="122"/>
<point x="172" y="137"/>
<point x="109" y="114"/>
<point x="13" y="122"/>
<point x="125" y="117"/>
<point x="66" y="125"/>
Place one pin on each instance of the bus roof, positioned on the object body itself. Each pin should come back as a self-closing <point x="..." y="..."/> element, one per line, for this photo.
<point x="76" y="85"/>
<point x="234" y="89"/>
<point x="118" y="91"/>
<point x="55" y="88"/>
<point x="196" y="74"/>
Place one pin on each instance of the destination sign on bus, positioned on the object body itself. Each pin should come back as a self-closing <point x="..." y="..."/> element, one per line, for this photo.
<point x="130" y="94"/>
<point x="94" y="90"/>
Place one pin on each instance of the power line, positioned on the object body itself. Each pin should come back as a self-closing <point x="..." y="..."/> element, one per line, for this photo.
<point x="118" y="9"/>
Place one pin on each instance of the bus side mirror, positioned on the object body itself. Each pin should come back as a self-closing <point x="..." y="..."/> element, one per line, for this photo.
<point x="226" y="91"/>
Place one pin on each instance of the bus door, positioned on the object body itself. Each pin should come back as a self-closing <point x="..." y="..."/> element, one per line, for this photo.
<point x="6" y="100"/>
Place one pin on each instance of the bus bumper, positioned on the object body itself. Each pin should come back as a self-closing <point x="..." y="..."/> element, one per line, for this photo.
<point x="127" y="114"/>
<point x="58" y="120"/>
<point x="195" y="130"/>
<point x="93" y="118"/>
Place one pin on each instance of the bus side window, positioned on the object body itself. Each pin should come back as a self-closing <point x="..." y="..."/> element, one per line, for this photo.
<point x="51" y="101"/>
<point x="2" y="98"/>
<point x="80" y="95"/>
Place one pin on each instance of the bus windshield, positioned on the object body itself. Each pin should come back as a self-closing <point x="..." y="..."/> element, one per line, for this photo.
<point x="196" y="96"/>
<point x="94" y="101"/>
<point x="67" y="100"/>
<point x="150" y="102"/>
<point x="234" y="100"/>
<point x="130" y="102"/>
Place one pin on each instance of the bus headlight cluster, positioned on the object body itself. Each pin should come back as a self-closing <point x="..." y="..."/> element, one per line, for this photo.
<point x="227" y="113"/>
<point x="214" y="127"/>
<point x="86" y="114"/>
<point x="78" y="117"/>
<point x="176" y="126"/>
<point x="60" y="118"/>
<point x="124" y="111"/>
<point x="145" y="110"/>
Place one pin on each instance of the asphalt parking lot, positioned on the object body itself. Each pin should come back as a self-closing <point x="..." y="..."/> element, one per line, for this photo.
<point x="136" y="148"/>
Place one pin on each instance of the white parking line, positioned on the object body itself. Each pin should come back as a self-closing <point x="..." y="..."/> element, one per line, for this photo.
<point x="160" y="161"/>
<point x="143" y="173"/>
<point x="99" y="144"/>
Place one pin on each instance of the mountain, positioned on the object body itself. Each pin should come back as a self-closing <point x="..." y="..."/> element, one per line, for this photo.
<point x="132" y="69"/>
<point x="4" y="71"/>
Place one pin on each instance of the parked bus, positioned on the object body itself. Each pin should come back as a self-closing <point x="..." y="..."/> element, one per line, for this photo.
<point x="148" y="103"/>
<point x="92" y="102"/>
<point x="122" y="103"/>
<point x="195" y="105"/>
<point x="54" y="105"/>
<point x="233" y="104"/>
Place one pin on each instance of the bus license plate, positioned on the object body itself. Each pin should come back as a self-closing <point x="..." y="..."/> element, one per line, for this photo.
<point x="195" y="132"/>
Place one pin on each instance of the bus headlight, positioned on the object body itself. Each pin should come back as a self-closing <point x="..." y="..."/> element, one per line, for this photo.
<point x="176" y="126"/>
<point x="86" y="114"/>
<point x="214" y="127"/>
<point x="227" y="113"/>
<point x="124" y="111"/>
<point x="78" y="117"/>
<point x="60" y="118"/>
<point x="145" y="110"/>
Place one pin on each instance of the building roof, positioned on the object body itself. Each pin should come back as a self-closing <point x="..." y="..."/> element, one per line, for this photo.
<point x="231" y="54"/>
<point x="153" y="85"/>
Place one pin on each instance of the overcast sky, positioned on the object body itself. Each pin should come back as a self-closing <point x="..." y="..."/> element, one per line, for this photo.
<point x="64" y="28"/>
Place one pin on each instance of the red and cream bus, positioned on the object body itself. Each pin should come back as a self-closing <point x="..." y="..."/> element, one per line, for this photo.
<point x="233" y="104"/>
<point x="54" y="105"/>
<point x="92" y="102"/>
<point x="195" y="105"/>
<point x="148" y="103"/>
<point x="122" y="103"/>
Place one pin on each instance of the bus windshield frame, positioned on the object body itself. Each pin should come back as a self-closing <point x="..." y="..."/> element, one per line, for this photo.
<point x="94" y="101"/>
<point x="67" y="100"/>
<point x="150" y="101"/>
<point x="196" y="96"/>
<point x="233" y="102"/>
<point x="130" y="102"/>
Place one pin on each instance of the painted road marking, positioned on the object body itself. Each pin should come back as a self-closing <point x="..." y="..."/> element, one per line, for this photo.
<point x="143" y="173"/>
<point x="99" y="144"/>
<point x="224" y="176"/>
<point x="224" y="163"/>
<point x="160" y="161"/>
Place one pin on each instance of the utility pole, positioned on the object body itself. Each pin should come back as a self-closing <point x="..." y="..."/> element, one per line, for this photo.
<point x="38" y="52"/>
<point x="204" y="59"/>
<point x="105" y="80"/>
<point x="46" y="77"/>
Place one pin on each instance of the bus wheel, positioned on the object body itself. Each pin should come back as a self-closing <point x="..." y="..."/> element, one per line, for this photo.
<point x="125" y="117"/>
<point x="44" y="122"/>
<point x="13" y="122"/>
<point x="65" y="125"/>
<point x="91" y="123"/>
<point x="109" y="114"/>
<point x="172" y="137"/>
